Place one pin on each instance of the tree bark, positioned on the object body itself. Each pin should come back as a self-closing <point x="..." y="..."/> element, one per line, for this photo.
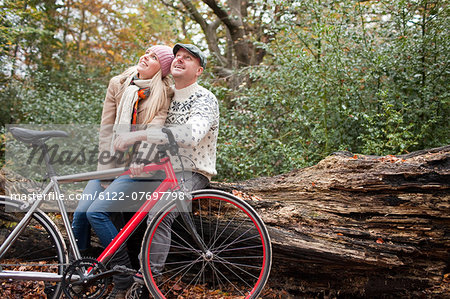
<point x="356" y="225"/>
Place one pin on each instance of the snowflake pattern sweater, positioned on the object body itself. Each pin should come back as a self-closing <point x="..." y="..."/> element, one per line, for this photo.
<point x="194" y="118"/>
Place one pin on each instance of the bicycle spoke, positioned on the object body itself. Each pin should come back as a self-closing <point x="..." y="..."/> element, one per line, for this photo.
<point x="240" y="248"/>
<point x="175" y="252"/>
<point x="236" y="241"/>
<point x="209" y="213"/>
<point x="180" y="246"/>
<point x="23" y="256"/>
<point x="234" y="286"/>
<point x="243" y="257"/>
<point x="181" y="268"/>
<point x="225" y="229"/>
<point x="217" y="225"/>
<point x="197" y="275"/>
<point x="229" y="236"/>
<point x="236" y="275"/>
<point x="187" y="243"/>
<point x="224" y="262"/>
<point x="218" y="277"/>
<point x="179" y="279"/>
<point x="176" y="269"/>
<point x="201" y="219"/>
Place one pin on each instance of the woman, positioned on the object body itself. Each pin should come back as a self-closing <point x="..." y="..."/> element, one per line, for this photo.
<point x="139" y="96"/>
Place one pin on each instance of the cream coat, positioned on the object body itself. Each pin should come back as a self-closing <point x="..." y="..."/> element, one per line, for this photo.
<point x="116" y="88"/>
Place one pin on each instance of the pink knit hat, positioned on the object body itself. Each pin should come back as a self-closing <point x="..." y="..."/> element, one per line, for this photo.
<point x="165" y="57"/>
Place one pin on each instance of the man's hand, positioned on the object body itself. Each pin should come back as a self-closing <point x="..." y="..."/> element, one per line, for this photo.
<point x="124" y="140"/>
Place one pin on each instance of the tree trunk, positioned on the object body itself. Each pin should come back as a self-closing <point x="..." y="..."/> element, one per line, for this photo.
<point x="356" y="225"/>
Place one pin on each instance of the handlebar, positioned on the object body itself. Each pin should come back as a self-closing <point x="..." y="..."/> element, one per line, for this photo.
<point x="173" y="146"/>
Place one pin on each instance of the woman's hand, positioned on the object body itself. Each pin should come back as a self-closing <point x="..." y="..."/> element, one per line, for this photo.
<point x="124" y="140"/>
<point x="104" y="185"/>
<point x="136" y="169"/>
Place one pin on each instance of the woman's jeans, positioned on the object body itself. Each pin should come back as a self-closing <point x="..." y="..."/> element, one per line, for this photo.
<point x="99" y="204"/>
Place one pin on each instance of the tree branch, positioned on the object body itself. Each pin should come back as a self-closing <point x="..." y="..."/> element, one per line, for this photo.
<point x="210" y="30"/>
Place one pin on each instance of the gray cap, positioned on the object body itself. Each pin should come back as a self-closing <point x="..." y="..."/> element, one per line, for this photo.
<point x="193" y="50"/>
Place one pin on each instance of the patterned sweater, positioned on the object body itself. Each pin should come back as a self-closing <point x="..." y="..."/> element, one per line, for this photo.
<point x="194" y="120"/>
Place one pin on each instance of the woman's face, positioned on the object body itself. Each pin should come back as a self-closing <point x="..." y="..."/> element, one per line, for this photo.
<point x="148" y="65"/>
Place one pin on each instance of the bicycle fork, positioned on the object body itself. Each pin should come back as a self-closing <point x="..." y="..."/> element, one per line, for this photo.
<point x="184" y="207"/>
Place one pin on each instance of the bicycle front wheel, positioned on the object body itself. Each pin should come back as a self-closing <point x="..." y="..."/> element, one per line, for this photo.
<point x="38" y="248"/>
<point x="237" y="260"/>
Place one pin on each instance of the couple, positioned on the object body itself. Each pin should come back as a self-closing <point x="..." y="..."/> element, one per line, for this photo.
<point x="143" y="95"/>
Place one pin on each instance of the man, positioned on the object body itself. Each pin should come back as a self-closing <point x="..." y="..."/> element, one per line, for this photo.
<point x="193" y="117"/>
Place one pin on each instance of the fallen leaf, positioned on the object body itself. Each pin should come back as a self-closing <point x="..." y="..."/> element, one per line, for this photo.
<point x="447" y="277"/>
<point x="176" y="287"/>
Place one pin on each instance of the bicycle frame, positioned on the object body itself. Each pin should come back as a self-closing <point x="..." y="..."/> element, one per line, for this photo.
<point x="169" y="183"/>
<point x="212" y="257"/>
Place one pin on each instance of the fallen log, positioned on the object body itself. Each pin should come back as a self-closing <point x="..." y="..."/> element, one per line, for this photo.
<point x="356" y="225"/>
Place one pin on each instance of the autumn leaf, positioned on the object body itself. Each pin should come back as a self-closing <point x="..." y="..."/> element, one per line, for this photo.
<point x="176" y="287"/>
<point x="447" y="277"/>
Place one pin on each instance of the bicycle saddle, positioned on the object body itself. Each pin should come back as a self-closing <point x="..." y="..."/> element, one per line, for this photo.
<point x="35" y="137"/>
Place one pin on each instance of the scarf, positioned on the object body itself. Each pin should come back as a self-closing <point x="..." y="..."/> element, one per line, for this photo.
<point x="124" y="113"/>
<point x="130" y="96"/>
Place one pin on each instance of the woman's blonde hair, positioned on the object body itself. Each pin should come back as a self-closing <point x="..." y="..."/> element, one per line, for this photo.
<point x="160" y="94"/>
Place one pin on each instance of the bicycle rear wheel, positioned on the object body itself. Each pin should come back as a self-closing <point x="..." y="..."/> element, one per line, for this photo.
<point x="39" y="248"/>
<point x="236" y="264"/>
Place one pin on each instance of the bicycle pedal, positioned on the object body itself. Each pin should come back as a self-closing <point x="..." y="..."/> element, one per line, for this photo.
<point x="124" y="269"/>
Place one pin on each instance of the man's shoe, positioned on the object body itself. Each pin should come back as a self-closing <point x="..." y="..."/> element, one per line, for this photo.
<point x="117" y="294"/>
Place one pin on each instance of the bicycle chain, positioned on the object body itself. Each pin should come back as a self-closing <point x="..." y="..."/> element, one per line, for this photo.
<point x="83" y="288"/>
<point x="33" y="265"/>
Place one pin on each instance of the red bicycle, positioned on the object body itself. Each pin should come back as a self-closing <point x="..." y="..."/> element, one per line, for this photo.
<point x="219" y="244"/>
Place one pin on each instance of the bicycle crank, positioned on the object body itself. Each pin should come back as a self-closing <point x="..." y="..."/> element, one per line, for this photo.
<point x="85" y="278"/>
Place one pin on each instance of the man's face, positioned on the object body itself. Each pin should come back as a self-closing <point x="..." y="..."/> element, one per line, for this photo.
<point x="186" y="66"/>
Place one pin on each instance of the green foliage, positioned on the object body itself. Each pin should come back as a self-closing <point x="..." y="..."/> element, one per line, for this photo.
<point x="366" y="77"/>
<point x="63" y="98"/>
<point x="54" y="97"/>
<point x="387" y="131"/>
<point x="370" y="77"/>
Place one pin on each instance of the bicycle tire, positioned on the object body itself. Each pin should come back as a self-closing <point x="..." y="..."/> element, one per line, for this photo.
<point x="241" y="252"/>
<point x="39" y="247"/>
